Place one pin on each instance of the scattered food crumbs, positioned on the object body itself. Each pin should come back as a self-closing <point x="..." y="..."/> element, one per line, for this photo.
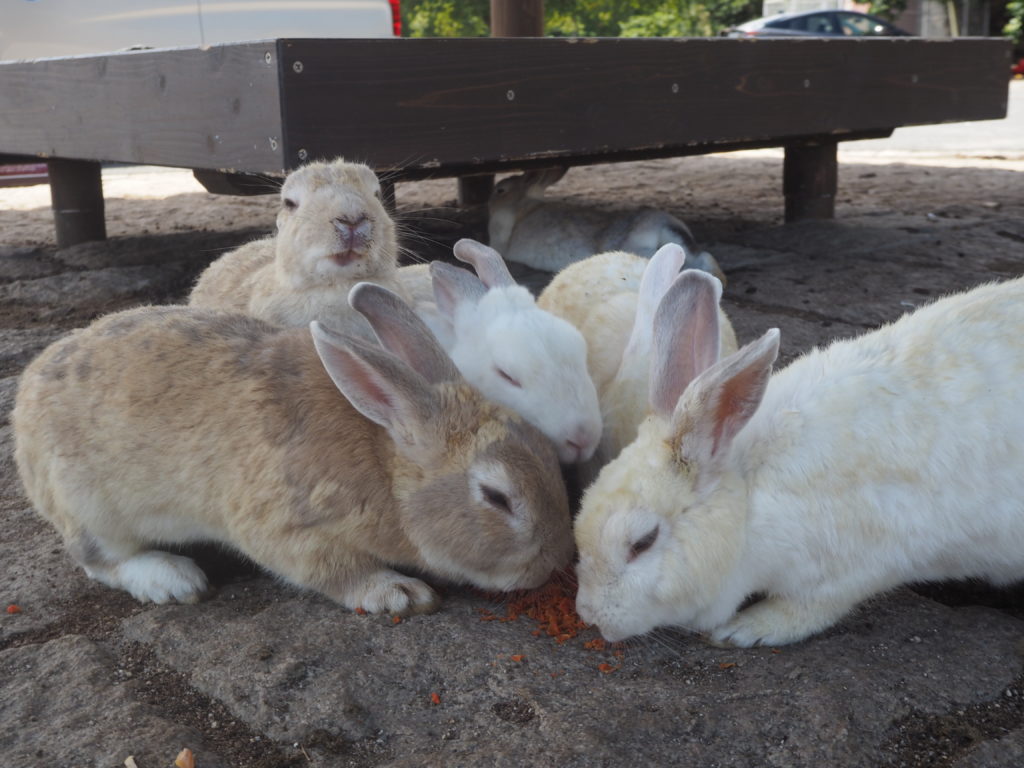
<point x="776" y="650"/>
<point x="185" y="759"/>
<point x="597" y="644"/>
<point x="727" y="665"/>
<point x="552" y="606"/>
<point x="434" y="698"/>
<point x="12" y="608"/>
<point x="396" y="619"/>
<point x="607" y="668"/>
<point x="361" y="611"/>
<point x="517" y="657"/>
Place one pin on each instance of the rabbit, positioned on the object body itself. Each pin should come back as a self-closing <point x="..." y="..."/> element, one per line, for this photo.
<point x="324" y="458"/>
<point x="514" y="353"/>
<point x="623" y="397"/>
<point x="601" y="296"/>
<point x="332" y="232"/>
<point x="547" y="235"/>
<point x="872" y="462"/>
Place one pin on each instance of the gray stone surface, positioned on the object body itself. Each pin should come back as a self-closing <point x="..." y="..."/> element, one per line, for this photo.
<point x="71" y="692"/>
<point x="261" y="675"/>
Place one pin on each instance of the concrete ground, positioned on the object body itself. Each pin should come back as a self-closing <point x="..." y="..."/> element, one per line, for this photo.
<point x="262" y="675"/>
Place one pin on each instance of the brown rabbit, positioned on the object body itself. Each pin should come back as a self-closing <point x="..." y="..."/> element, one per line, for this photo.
<point x="332" y="232"/>
<point x="169" y="425"/>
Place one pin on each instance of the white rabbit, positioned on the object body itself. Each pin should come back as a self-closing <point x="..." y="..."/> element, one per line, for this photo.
<point x="611" y="298"/>
<point x="889" y="458"/>
<point x="332" y="232"/>
<point x="326" y="459"/>
<point x="514" y="353"/>
<point x="548" y="235"/>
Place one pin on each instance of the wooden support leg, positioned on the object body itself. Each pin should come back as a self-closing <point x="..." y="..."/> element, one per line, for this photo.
<point x="809" y="177"/>
<point x="475" y="190"/>
<point x="76" y="191"/>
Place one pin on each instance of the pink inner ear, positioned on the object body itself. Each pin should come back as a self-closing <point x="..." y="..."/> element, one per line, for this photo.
<point x="736" y="402"/>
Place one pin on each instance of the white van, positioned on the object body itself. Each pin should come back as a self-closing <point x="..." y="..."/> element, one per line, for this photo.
<point x="32" y="29"/>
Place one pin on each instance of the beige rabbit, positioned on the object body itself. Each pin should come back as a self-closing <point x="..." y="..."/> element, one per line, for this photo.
<point x="332" y="232"/>
<point x="327" y="459"/>
<point x="612" y="298"/>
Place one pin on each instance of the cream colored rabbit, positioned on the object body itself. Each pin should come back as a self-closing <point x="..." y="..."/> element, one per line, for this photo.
<point x="612" y="298"/>
<point x="327" y="459"/>
<point x="876" y="461"/>
<point x="332" y="232"/>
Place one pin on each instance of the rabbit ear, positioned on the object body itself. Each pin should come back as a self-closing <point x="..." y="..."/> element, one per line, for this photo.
<point x="538" y="181"/>
<point x="721" y="401"/>
<point x="377" y="384"/>
<point x="453" y="286"/>
<point x="661" y="270"/>
<point x="685" y="337"/>
<point x="402" y="332"/>
<point x="487" y="262"/>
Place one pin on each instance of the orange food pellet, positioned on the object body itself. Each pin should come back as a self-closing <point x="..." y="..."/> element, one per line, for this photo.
<point x="361" y="611"/>
<point x="517" y="657"/>
<point x="435" y="699"/>
<point x="185" y="759"/>
<point x="606" y="668"/>
<point x="727" y="665"/>
<point x="12" y="608"/>
<point x="396" y="619"/>
<point x="552" y="606"/>
<point x="597" y="644"/>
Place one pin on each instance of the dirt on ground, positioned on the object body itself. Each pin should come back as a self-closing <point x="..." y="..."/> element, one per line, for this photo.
<point x="261" y="674"/>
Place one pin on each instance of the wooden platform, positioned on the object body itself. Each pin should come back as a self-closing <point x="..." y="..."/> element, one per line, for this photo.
<point x="454" y="107"/>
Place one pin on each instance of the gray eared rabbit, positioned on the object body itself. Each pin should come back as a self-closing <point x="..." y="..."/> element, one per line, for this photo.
<point x="328" y="459"/>
<point x="550" y="234"/>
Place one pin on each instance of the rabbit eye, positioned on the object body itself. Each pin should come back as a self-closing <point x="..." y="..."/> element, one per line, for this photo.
<point x="496" y="498"/>
<point x="290" y="204"/>
<point x="644" y="543"/>
<point x="509" y="379"/>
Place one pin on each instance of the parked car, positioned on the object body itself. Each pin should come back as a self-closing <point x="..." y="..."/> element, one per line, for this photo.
<point x="32" y="30"/>
<point x="817" y="24"/>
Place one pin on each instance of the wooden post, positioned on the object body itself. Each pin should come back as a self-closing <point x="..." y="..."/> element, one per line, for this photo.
<point x="517" y="18"/>
<point x="509" y="18"/>
<point x="809" y="178"/>
<point x="76" y="192"/>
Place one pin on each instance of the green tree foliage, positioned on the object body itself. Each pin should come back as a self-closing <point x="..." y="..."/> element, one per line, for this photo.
<point x="585" y="18"/>
<point x="1014" y="28"/>
<point x="887" y="9"/>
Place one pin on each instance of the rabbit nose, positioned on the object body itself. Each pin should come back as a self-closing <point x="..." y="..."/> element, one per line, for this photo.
<point x="580" y="446"/>
<point x="354" y="233"/>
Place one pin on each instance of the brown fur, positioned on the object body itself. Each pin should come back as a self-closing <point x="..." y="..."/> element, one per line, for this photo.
<point x="175" y="424"/>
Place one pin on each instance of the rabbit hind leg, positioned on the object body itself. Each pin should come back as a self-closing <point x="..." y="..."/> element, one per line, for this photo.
<point x="148" y="575"/>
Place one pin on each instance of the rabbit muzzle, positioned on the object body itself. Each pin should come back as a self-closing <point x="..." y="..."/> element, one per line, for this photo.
<point x="354" y="239"/>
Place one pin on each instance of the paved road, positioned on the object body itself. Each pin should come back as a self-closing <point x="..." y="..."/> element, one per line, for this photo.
<point x="1002" y="137"/>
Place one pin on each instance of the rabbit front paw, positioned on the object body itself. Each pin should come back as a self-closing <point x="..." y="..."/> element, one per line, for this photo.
<point x="775" y="621"/>
<point x="390" y="592"/>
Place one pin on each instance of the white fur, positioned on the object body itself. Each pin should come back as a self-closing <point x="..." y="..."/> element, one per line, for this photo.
<point x="501" y="329"/>
<point x="609" y="299"/>
<point x="550" y="235"/>
<point x="890" y="458"/>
